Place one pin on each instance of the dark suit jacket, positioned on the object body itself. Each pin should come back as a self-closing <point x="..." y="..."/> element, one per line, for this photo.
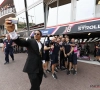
<point x="34" y="60"/>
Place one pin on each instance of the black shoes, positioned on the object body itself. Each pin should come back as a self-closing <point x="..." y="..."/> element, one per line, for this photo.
<point x="68" y="72"/>
<point x="48" y="71"/>
<point x="98" y="61"/>
<point x="44" y="75"/>
<point x="12" y="59"/>
<point x="74" y="72"/>
<point x="56" y="70"/>
<point x="6" y="63"/>
<point x="54" y="76"/>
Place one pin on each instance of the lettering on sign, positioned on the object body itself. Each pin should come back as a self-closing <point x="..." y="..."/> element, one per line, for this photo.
<point x="44" y="32"/>
<point x="85" y="27"/>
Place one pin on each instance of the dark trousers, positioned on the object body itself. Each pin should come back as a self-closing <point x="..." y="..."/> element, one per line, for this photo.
<point x="62" y="61"/>
<point x="35" y="80"/>
<point x="7" y="52"/>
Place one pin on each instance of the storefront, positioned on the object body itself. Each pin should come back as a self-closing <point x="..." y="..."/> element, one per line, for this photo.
<point x="76" y="29"/>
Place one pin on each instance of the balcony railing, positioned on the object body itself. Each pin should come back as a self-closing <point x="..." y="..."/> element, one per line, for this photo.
<point x="7" y="11"/>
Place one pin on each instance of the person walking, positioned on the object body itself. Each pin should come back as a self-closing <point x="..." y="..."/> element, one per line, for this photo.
<point x="8" y="49"/>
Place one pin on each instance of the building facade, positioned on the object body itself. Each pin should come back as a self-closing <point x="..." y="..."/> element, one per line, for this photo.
<point x="7" y="9"/>
<point x="49" y="13"/>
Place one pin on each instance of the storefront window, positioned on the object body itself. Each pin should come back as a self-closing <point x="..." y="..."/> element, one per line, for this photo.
<point x="85" y="9"/>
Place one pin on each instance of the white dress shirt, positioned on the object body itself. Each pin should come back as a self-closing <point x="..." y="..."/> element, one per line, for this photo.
<point x="13" y="35"/>
<point x="39" y="45"/>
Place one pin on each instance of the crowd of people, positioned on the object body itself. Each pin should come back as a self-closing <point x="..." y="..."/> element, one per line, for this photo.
<point x="62" y="54"/>
<point x="59" y="53"/>
<point x="7" y="9"/>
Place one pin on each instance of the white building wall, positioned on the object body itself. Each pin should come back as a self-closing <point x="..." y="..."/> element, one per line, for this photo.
<point x="75" y="11"/>
<point x="97" y="11"/>
<point x="85" y="9"/>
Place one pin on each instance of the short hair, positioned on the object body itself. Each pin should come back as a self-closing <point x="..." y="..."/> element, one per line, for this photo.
<point x="73" y="38"/>
<point x="39" y="32"/>
<point x="67" y="37"/>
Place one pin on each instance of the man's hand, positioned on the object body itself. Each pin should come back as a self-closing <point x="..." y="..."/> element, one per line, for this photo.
<point x="68" y="54"/>
<point x="52" y="46"/>
<point x="8" y="25"/>
<point x="65" y="55"/>
<point x="96" y="46"/>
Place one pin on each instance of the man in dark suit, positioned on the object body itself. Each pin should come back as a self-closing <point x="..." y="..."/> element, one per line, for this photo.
<point x="33" y="66"/>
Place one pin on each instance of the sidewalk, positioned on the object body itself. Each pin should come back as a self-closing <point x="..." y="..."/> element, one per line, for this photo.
<point x="12" y="77"/>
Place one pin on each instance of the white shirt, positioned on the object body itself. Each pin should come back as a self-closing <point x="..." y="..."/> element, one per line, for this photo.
<point x="13" y="35"/>
<point x="39" y="45"/>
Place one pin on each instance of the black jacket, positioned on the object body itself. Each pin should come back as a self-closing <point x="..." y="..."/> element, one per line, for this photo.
<point x="34" y="60"/>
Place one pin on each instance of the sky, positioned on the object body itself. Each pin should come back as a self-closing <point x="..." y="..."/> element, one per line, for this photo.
<point x="84" y="10"/>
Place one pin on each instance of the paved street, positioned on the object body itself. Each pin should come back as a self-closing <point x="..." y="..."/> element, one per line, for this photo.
<point x="12" y="77"/>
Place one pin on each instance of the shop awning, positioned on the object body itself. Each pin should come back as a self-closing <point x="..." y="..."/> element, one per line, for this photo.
<point x="84" y="26"/>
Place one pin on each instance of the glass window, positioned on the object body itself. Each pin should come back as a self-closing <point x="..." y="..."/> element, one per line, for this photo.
<point x="19" y="5"/>
<point x="64" y="13"/>
<point x="52" y="15"/>
<point x="85" y="9"/>
<point x="22" y="21"/>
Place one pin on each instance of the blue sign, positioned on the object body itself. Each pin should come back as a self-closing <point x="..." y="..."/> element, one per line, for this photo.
<point x="48" y="31"/>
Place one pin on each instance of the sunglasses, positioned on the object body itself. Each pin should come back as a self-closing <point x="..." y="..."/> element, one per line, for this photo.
<point x="36" y="34"/>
